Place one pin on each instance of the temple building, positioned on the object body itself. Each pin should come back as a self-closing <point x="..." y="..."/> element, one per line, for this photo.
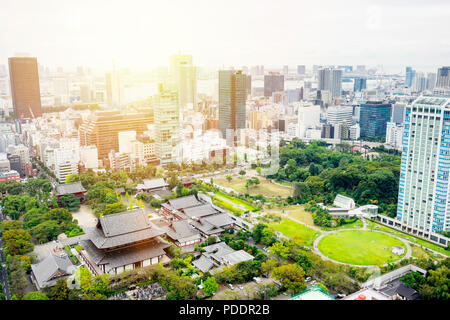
<point x="123" y="241"/>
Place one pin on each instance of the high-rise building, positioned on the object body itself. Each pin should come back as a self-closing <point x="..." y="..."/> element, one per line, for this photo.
<point x="419" y="82"/>
<point x="423" y="198"/>
<point x="431" y="81"/>
<point x="25" y="91"/>
<point x="101" y="129"/>
<point x="273" y="82"/>
<point x="374" y="115"/>
<point x="249" y="85"/>
<point x="167" y="123"/>
<point x="394" y="135"/>
<point x="359" y="84"/>
<point x="339" y="114"/>
<point x="285" y="70"/>
<point x="330" y="80"/>
<point x="398" y="113"/>
<point x="409" y="76"/>
<point x="443" y="77"/>
<point x="232" y="98"/>
<point x="301" y="69"/>
<point x="184" y="75"/>
<point x="114" y="88"/>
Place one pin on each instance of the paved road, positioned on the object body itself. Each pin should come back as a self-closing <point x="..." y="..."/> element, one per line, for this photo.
<point x="4" y="271"/>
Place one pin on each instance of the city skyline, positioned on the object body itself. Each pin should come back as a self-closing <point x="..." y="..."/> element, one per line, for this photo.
<point x="380" y="33"/>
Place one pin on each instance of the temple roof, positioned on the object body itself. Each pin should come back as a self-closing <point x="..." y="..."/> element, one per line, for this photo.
<point x="122" y="228"/>
<point x="75" y="187"/>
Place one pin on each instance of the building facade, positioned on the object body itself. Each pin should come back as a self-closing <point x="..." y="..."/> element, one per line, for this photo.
<point x="423" y="199"/>
<point x="232" y="99"/>
<point x="25" y="91"/>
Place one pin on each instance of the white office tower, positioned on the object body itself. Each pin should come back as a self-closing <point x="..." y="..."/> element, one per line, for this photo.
<point x="61" y="90"/>
<point x="89" y="157"/>
<point x="394" y="135"/>
<point x="125" y="138"/>
<point x="431" y="81"/>
<point x="137" y="152"/>
<point x="423" y="199"/>
<point x="339" y="114"/>
<point x="167" y="123"/>
<point x="419" y="82"/>
<point x="184" y="74"/>
<point x="355" y="132"/>
<point x="66" y="162"/>
<point x="308" y="118"/>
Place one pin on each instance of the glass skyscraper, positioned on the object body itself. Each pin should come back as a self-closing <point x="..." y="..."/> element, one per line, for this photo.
<point x="423" y="198"/>
<point x="232" y="97"/>
<point x="374" y="116"/>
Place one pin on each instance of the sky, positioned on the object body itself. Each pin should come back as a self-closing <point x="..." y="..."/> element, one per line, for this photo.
<point x="387" y="34"/>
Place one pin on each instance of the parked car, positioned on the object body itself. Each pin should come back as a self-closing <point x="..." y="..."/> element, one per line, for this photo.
<point x="314" y="282"/>
<point x="308" y="279"/>
<point x="230" y="286"/>
<point x="257" y="280"/>
<point x="240" y="287"/>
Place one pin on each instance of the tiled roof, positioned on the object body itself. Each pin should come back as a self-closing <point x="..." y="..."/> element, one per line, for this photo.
<point x="75" y="187"/>
<point x="122" y="228"/>
<point x="45" y="269"/>
<point x="184" y="202"/>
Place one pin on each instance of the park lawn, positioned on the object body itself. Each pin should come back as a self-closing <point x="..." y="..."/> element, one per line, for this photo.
<point x="228" y="206"/>
<point x="413" y="239"/>
<point x="265" y="188"/>
<point x="360" y="247"/>
<point x="301" y="215"/>
<point x="295" y="230"/>
<point x="248" y="206"/>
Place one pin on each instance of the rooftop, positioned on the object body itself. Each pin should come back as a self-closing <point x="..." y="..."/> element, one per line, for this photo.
<point x="122" y="228"/>
<point x="74" y="187"/>
<point x="313" y="293"/>
<point x="51" y="268"/>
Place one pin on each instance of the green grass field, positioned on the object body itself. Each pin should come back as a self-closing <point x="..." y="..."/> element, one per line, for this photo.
<point x="360" y="247"/>
<point x="416" y="240"/>
<point x="239" y="202"/>
<point x="265" y="188"/>
<point x="296" y="231"/>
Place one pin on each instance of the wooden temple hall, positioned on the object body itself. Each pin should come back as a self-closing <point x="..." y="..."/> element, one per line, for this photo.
<point x="123" y="241"/>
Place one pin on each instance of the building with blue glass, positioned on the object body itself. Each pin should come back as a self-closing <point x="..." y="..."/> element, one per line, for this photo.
<point x="423" y="198"/>
<point x="409" y="76"/>
<point x="373" y="118"/>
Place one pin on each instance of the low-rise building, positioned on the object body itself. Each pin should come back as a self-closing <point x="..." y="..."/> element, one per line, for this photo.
<point x="75" y="188"/>
<point x="123" y="241"/>
<point x="47" y="272"/>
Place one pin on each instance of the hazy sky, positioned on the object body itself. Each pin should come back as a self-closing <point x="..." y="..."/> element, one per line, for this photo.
<point x="143" y="33"/>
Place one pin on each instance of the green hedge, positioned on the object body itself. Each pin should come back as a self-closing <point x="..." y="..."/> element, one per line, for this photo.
<point x="70" y="254"/>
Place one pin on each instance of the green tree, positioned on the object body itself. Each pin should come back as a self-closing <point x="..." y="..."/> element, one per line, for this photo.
<point x="291" y="277"/>
<point x="70" y="202"/>
<point x="279" y="251"/>
<point x="35" y="295"/>
<point x="210" y="286"/>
